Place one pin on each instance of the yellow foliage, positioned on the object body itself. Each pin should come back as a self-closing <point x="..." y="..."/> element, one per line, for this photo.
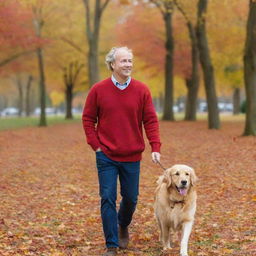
<point x="180" y="87"/>
<point x="56" y="97"/>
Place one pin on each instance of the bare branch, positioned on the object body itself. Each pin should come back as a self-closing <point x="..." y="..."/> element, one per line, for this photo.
<point x="78" y="69"/>
<point x="104" y="5"/>
<point x="71" y="43"/>
<point x="14" y="57"/>
<point x="159" y="5"/>
<point x="176" y="2"/>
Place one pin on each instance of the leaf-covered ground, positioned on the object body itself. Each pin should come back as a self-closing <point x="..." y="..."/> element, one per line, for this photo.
<point x="49" y="203"/>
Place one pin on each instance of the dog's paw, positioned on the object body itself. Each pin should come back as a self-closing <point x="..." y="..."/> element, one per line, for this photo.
<point x="167" y="248"/>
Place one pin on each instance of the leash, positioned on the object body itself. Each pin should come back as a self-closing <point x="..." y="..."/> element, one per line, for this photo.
<point x="161" y="165"/>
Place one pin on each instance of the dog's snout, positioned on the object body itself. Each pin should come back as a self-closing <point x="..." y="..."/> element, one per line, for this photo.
<point x="184" y="182"/>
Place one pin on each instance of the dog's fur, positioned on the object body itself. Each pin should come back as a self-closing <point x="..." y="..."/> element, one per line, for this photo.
<point x="175" y="204"/>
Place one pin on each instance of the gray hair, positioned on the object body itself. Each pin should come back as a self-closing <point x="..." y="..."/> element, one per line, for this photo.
<point x="110" y="57"/>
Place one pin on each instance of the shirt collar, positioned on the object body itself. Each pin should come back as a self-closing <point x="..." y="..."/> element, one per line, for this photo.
<point x="116" y="83"/>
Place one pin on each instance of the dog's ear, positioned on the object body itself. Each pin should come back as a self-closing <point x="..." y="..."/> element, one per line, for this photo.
<point x="193" y="177"/>
<point x="168" y="178"/>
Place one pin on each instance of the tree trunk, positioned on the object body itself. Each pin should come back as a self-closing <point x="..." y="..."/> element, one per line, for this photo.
<point x="191" y="100"/>
<point x="92" y="35"/>
<point x="42" y="90"/>
<point x="93" y="65"/>
<point x="20" y="98"/>
<point x="38" y="22"/>
<point x="236" y="101"/>
<point x="70" y="76"/>
<point x="168" y="100"/>
<point x="27" y="99"/>
<point x="69" y="98"/>
<point x="193" y="82"/>
<point x="250" y="71"/>
<point x="208" y="70"/>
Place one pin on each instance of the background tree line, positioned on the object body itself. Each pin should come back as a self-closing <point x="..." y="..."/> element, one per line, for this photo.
<point x="198" y="41"/>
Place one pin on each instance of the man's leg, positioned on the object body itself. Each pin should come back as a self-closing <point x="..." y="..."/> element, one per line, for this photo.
<point x="107" y="174"/>
<point x="129" y="173"/>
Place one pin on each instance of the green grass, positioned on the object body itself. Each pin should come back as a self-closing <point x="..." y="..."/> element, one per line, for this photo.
<point x="204" y="116"/>
<point x="11" y="123"/>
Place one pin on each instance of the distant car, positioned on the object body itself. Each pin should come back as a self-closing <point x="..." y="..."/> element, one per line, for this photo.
<point x="11" y="111"/>
<point x="48" y="111"/>
<point x="221" y="106"/>
<point x="175" y="109"/>
<point x="202" y="107"/>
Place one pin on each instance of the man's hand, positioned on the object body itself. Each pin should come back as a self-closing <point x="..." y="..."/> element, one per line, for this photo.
<point x="156" y="157"/>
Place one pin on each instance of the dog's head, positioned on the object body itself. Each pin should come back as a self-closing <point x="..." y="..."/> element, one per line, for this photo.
<point x="180" y="177"/>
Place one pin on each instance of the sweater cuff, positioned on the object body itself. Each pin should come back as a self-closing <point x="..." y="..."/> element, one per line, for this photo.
<point x="156" y="147"/>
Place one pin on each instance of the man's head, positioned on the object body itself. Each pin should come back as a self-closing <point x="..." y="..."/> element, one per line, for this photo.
<point x="119" y="61"/>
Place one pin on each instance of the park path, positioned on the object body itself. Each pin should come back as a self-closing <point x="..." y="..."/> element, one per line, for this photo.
<point x="49" y="202"/>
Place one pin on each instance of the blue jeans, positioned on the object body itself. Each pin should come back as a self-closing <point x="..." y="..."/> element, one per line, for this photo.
<point x="108" y="171"/>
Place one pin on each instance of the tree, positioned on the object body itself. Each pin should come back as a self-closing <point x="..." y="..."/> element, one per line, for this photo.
<point x="20" y="90"/>
<point x="250" y="71"/>
<point x="24" y="91"/>
<point x="28" y="95"/>
<point x="227" y="46"/>
<point x="166" y="8"/>
<point x="70" y="76"/>
<point x="233" y="74"/>
<point x="192" y="81"/>
<point x="93" y="22"/>
<point x="39" y="22"/>
<point x="208" y="70"/>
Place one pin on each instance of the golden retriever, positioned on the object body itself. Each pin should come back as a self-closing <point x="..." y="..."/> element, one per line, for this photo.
<point x="175" y="205"/>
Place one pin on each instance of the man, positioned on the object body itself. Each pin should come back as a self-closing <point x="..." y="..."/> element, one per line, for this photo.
<point x="114" y="113"/>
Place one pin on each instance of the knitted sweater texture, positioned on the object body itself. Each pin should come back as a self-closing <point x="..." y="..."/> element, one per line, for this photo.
<point x="113" y="120"/>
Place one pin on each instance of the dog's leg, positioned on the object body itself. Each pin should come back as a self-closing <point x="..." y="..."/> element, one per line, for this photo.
<point x="186" y="230"/>
<point x="166" y="236"/>
<point x="160" y="229"/>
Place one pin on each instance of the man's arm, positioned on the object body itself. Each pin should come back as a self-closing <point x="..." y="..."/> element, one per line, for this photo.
<point x="151" y="126"/>
<point x="90" y="117"/>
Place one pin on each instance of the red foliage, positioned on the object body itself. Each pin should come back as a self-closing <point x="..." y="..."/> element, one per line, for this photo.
<point x="17" y="35"/>
<point x="15" y="26"/>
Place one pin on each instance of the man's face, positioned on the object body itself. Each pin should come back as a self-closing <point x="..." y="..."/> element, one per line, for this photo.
<point x="122" y="66"/>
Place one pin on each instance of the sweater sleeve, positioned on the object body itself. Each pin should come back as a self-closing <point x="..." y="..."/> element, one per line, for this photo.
<point x="89" y="119"/>
<point x="150" y="122"/>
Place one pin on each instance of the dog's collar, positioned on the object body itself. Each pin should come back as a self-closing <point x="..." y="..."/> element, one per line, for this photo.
<point x="179" y="202"/>
<point x="173" y="202"/>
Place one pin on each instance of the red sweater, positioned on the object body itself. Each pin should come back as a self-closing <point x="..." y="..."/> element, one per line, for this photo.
<point x="113" y="118"/>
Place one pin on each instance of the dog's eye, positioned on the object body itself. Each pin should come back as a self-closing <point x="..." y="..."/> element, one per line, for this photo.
<point x="177" y="174"/>
<point x="187" y="174"/>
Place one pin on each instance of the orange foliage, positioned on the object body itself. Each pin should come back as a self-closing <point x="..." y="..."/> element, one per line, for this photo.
<point x="49" y="202"/>
<point x="143" y="31"/>
<point x="15" y="26"/>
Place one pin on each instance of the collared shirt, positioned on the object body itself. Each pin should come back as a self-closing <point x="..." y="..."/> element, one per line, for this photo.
<point x="121" y="86"/>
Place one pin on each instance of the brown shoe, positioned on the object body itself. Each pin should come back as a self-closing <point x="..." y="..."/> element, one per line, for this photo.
<point x="123" y="237"/>
<point x="111" y="251"/>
